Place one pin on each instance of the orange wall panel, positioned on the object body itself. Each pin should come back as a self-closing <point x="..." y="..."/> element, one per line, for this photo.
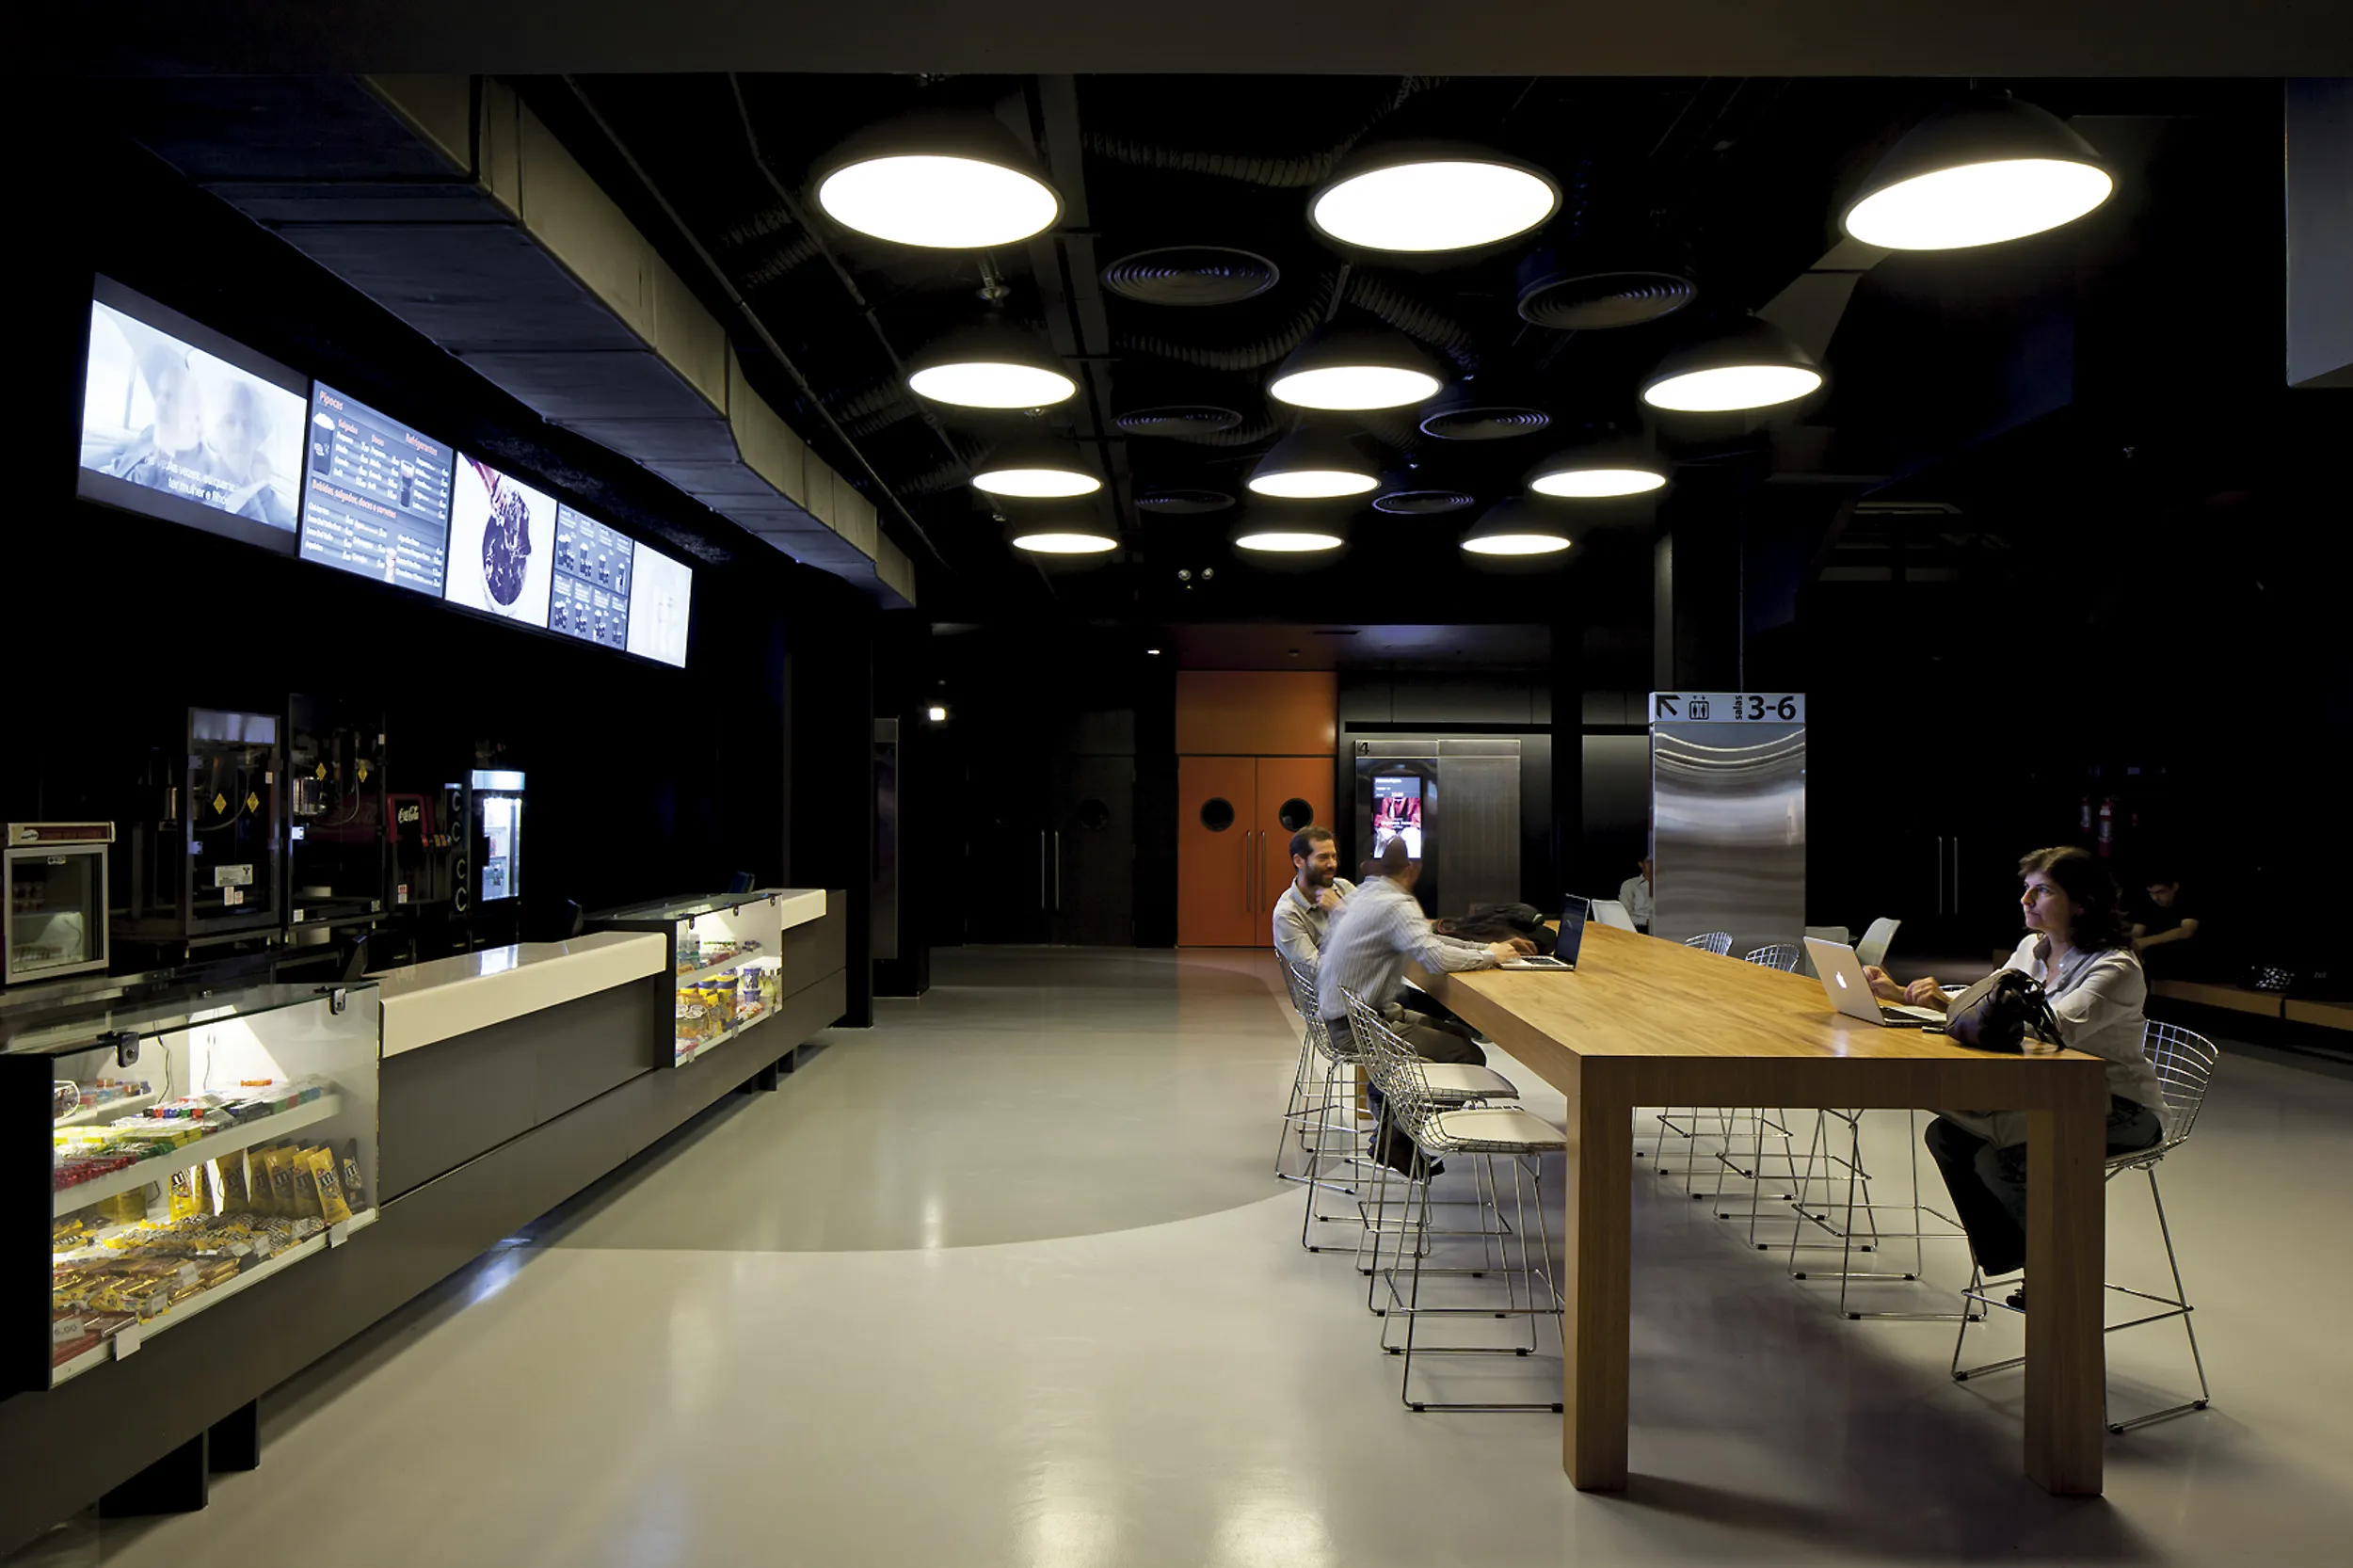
<point x="1258" y="712"/>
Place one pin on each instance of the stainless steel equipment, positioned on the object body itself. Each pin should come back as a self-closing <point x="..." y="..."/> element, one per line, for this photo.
<point x="1728" y="818"/>
<point x="55" y="919"/>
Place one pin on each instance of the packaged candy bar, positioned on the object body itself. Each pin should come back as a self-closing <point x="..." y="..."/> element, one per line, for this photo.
<point x="233" y="1193"/>
<point x="354" y="1193"/>
<point x="306" y="1181"/>
<point x="328" y="1184"/>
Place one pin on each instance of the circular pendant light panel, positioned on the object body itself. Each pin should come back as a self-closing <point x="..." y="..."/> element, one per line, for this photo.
<point x="1749" y="364"/>
<point x="1516" y="544"/>
<point x="1065" y="542"/>
<point x="1353" y="388"/>
<point x="1594" y="480"/>
<point x="990" y="383"/>
<point x="1287" y="541"/>
<point x="1434" y="204"/>
<point x="1355" y="368"/>
<point x="1311" y="484"/>
<point x="1037" y="482"/>
<point x="1979" y="204"/>
<point x="1727" y="389"/>
<point x="939" y="201"/>
<point x="1979" y="172"/>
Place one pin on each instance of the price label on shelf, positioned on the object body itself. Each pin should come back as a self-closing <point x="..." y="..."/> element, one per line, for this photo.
<point x="127" y="1339"/>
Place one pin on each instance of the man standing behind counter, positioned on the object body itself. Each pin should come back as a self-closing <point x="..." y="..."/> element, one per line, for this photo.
<point x="1366" y="949"/>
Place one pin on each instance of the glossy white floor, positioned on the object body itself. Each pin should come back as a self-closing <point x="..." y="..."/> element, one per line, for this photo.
<point x="1005" y="1281"/>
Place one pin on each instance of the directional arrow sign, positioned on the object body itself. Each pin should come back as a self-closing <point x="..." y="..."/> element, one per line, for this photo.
<point x="1667" y="707"/>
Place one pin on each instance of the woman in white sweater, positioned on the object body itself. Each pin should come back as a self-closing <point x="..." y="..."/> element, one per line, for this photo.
<point x="2079" y="945"/>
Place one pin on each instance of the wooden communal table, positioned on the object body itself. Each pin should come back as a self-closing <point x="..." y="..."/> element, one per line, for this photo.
<point x="1649" y="1023"/>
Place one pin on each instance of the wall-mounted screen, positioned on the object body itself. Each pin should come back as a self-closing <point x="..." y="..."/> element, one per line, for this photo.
<point x="375" y="499"/>
<point x="593" y="567"/>
<point x="184" y="424"/>
<point x="1396" y="814"/>
<point x="502" y="544"/>
<point x="658" y="601"/>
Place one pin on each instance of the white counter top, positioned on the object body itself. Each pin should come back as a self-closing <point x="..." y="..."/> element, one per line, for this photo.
<point x="443" y="997"/>
<point x="800" y="905"/>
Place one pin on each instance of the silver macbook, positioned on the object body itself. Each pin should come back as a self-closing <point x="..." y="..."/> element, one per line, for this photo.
<point x="1849" y="992"/>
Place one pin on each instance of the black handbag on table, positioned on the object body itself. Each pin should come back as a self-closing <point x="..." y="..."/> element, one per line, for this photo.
<point x="2000" y="1016"/>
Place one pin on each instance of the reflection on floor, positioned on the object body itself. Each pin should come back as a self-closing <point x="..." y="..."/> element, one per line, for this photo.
<point x="1004" y="1280"/>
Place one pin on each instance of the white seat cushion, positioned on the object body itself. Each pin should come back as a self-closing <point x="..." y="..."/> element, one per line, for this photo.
<point x="1503" y="1128"/>
<point x="1453" y="1081"/>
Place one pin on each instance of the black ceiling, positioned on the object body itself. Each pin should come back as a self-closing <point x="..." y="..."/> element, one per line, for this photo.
<point x="1732" y="184"/>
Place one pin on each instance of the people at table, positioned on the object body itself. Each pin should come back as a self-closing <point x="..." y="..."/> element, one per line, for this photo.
<point x="2078" y="944"/>
<point x="1635" y="893"/>
<point x="1301" y="915"/>
<point x="2165" y="935"/>
<point x="1367" y="945"/>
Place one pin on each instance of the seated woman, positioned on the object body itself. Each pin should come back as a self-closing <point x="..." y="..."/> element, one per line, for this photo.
<point x="2079" y="945"/>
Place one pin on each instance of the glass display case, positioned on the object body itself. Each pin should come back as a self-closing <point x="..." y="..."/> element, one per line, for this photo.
<point x="197" y="1146"/>
<point x="56" y="918"/>
<point x="724" y="951"/>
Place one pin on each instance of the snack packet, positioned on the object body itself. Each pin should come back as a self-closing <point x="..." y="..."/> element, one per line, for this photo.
<point x="328" y="1183"/>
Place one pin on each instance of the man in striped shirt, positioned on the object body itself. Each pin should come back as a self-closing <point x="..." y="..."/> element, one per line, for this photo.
<point x="1366" y="949"/>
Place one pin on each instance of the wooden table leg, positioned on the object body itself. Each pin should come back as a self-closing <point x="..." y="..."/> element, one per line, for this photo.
<point x="2066" y="1257"/>
<point x="1596" y="1332"/>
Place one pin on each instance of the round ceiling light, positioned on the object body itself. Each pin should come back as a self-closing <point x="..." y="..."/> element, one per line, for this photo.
<point x="1354" y="369"/>
<point x="1514" y="527"/>
<point x="1978" y="173"/>
<point x="1065" y="539"/>
<point x="1296" y="540"/>
<point x="990" y="368"/>
<point x="1034" y="473"/>
<point x="1592" y="473"/>
<point x="1753" y="365"/>
<point x="1313" y="465"/>
<point x="1434" y="202"/>
<point x="943" y="182"/>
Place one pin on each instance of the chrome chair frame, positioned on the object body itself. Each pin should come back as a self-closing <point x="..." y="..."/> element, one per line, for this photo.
<point x="2185" y="1061"/>
<point x="1438" y="1129"/>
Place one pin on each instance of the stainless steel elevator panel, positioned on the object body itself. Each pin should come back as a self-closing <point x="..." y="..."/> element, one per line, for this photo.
<point x="1728" y="831"/>
<point x="1476" y="847"/>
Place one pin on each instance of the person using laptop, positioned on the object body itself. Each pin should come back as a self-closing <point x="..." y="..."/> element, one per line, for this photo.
<point x="1366" y="949"/>
<point x="1314" y="895"/>
<point x="1635" y="893"/>
<point x="2078" y="944"/>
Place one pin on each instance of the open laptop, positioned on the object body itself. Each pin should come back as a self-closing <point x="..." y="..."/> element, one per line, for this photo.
<point x="1851" y="993"/>
<point x="1564" y="957"/>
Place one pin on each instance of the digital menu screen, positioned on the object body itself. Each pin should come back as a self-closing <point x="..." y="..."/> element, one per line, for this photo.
<point x="593" y="566"/>
<point x="185" y="425"/>
<point x="375" y="500"/>
<point x="658" y="602"/>
<point x="502" y="544"/>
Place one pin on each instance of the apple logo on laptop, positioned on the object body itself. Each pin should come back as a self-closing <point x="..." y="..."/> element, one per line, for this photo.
<point x="1842" y="981"/>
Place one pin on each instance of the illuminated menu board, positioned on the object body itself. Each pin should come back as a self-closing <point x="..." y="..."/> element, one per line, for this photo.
<point x="659" y="602"/>
<point x="376" y="496"/>
<point x="593" y="567"/>
<point x="501" y="539"/>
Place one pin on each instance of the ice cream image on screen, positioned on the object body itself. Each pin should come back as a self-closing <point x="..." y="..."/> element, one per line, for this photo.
<point x="506" y="539"/>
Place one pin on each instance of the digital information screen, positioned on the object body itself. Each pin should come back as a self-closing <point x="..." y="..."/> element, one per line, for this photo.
<point x="502" y="544"/>
<point x="658" y="605"/>
<point x="593" y="566"/>
<point x="1396" y="814"/>
<point x="184" y="424"/>
<point x="375" y="501"/>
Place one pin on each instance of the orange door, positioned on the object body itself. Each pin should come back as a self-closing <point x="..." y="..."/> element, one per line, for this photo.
<point x="1293" y="792"/>
<point x="1215" y="847"/>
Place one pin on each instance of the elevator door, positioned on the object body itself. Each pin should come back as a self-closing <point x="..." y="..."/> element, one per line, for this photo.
<point x="1091" y="851"/>
<point x="1216" y="814"/>
<point x="1292" y="792"/>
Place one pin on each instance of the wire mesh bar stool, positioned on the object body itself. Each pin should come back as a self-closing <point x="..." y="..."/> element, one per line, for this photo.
<point x="1436" y="1128"/>
<point x="1851" y="1224"/>
<point x="1684" y="1122"/>
<point x="1320" y="1089"/>
<point x="1748" y="1163"/>
<point x="2184" y="1061"/>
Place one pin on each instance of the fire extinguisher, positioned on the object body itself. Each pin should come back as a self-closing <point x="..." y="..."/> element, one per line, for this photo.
<point x="2107" y="825"/>
<point x="2087" y="821"/>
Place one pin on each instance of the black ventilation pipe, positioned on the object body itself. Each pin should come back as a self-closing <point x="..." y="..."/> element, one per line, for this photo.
<point x="1274" y="171"/>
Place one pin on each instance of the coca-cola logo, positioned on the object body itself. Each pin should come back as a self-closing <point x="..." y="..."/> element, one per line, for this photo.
<point x="409" y="814"/>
